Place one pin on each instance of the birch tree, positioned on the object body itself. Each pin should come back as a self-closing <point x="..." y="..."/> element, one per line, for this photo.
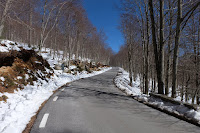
<point x="4" y="15"/>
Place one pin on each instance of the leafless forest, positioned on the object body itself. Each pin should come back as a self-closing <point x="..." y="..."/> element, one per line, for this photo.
<point x="162" y="46"/>
<point x="56" y="24"/>
<point x="162" y="38"/>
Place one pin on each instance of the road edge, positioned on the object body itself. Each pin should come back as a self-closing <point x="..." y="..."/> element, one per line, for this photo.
<point x="33" y="118"/>
<point x="180" y="117"/>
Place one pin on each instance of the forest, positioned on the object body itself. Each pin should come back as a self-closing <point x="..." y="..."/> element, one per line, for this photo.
<point x="162" y="39"/>
<point x="61" y="72"/>
<point x="162" y="46"/>
<point x="55" y="24"/>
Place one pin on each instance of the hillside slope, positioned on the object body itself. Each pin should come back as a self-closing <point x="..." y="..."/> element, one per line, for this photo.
<point x="28" y="79"/>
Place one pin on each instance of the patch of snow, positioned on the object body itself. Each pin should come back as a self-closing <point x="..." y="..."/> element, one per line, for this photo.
<point x="3" y="49"/>
<point x="2" y="79"/>
<point x="19" y="77"/>
<point x="38" y="62"/>
<point x="72" y="67"/>
<point x="6" y="46"/>
<point x="9" y="46"/>
<point x="122" y="82"/>
<point x="28" y="100"/>
<point x="26" y="76"/>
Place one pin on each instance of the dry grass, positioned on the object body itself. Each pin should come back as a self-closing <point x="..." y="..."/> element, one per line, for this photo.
<point x="18" y="65"/>
<point x="3" y="98"/>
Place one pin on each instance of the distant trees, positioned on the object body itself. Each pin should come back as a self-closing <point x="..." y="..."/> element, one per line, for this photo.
<point x="167" y="36"/>
<point x="6" y="7"/>
<point x="55" y="24"/>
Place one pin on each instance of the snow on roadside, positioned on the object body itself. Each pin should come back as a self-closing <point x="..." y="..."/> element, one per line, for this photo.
<point x="23" y="104"/>
<point x="122" y="82"/>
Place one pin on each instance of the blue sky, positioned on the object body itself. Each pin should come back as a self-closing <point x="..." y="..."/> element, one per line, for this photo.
<point x="104" y="15"/>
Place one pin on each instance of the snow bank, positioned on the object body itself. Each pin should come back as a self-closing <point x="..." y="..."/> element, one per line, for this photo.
<point x="122" y="82"/>
<point x="21" y="105"/>
<point x="7" y="45"/>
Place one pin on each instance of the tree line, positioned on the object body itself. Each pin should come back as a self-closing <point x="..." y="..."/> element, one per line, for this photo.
<point x="55" y="24"/>
<point x="162" y="46"/>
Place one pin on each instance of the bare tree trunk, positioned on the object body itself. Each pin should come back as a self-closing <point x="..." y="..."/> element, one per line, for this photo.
<point x="154" y="84"/>
<point x="196" y="61"/>
<point x="144" y="41"/>
<point x="55" y="44"/>
<point x="161" y="50"/>
<point x="3" y="17"/>
<point x="130" y="62"/>
<point x="43" y="27"/>
<point x="147" y="52"/>
<point x="30" y="22"/>
<point x="182" y="88"/>
<point x="46" y="20"/>
<point x="169" y="51"/>
<point x="186" y="88"/>
<point x="177" y="40"/>
<point x="158" y="55"/>
<point x="176" y="47"/>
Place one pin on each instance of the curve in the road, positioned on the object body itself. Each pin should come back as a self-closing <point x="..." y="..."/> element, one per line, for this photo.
<point x="95" y="105"/>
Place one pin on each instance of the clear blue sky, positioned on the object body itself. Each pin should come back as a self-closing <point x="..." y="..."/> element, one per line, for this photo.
<point x="104" y="15"/>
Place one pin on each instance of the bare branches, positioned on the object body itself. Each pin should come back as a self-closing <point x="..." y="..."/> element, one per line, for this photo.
<point x="56" y="24"/>
<point x="173" y="21"/>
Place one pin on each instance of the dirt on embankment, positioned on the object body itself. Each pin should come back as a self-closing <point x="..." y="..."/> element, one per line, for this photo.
<point x="21" y="67"/>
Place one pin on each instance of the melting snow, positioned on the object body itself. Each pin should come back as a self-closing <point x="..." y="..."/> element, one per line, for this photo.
<point x="21" y="105"/>
<point x="2" y="78"/>
<point x="122" y="82"/>
<point x="19" y="77"/>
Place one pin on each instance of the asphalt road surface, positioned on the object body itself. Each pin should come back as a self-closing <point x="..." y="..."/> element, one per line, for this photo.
<point x="95" y="105"/>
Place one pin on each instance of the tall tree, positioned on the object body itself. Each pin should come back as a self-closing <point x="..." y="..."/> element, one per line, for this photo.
<point x="4" y="15"/>
<point x="158" y="50"/>
<point x="181" y="21"/>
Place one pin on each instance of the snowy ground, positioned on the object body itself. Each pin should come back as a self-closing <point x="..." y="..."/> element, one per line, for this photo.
<point x="16" y="113"/>
<point x="122" y="82"/>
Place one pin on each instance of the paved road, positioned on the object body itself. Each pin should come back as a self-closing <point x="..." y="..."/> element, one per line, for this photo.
<point x="95" y="105"/>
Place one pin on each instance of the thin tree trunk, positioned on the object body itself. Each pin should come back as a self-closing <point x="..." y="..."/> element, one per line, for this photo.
<point x="176" y="48"/>
<point x="130" y="62"/>
<point x="169" y="51"/>
<point x="177" y="40"/>
<point x="147" y="53"/>
<point x="3" y="17"/>
<point x="161" y="50"/>
<point x="30" y="22"/>
<point x="158" y="58"/>
<point x="182" y="88"/>
<point x="186" y="88"/>
<point x="196" y="62"/>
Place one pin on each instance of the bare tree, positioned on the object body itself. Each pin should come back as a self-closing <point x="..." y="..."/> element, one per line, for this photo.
<point x="4" y="15"/>
<point x="158" y="50"/>
<point x="180" y="21"/>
